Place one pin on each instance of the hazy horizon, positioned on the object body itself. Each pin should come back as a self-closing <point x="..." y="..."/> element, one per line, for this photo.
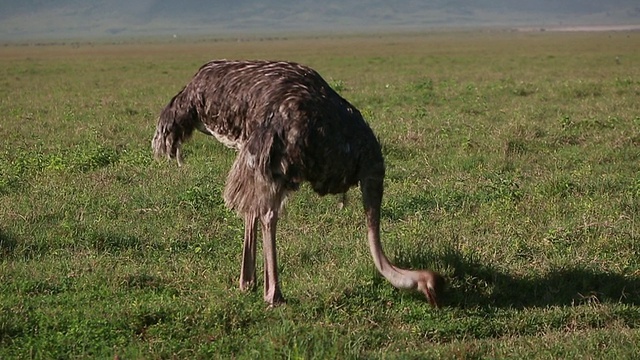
<point x="63" y="19"/>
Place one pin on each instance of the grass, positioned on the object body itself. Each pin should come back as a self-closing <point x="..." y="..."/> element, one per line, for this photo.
<point x="512" y="168"/>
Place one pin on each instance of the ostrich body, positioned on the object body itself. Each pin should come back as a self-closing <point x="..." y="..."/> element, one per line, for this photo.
<point x="288" y="126"/>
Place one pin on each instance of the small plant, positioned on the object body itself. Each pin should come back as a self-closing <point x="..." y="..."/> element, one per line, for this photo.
<point x="523" y="89"/>
<point x="338" y="85"/>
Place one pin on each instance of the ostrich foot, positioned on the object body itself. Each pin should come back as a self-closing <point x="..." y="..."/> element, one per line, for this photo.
<point x="274" y="298"/>
<point x="247" y="285"/>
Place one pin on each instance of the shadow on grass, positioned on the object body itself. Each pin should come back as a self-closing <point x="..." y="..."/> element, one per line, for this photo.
<point x="472" y="284"/>
<point x="7" y="243"/>
<point x="99" y="241"/>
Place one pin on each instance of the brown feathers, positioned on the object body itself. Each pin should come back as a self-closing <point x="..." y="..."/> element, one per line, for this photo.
<point x="298" y="128"/>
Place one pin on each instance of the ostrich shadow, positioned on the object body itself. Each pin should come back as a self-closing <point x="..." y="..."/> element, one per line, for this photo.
<point x="8" y="243"/>
<point x="99" y="241"/>
<point x="473" y="284"/>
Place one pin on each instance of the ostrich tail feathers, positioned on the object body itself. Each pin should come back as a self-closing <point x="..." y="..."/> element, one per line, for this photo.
<point x="175" y="126"/>
<point x="159" y="142"/>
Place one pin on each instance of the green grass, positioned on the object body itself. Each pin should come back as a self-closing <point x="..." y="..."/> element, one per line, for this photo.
<point x="512" y="168"/>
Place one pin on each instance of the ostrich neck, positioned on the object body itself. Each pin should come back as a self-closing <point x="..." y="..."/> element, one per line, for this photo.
<point x="372" y="189"/>
<point x="398" y="277"/>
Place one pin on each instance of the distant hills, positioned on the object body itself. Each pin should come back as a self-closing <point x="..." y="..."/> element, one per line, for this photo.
<point x="67" y="19"/>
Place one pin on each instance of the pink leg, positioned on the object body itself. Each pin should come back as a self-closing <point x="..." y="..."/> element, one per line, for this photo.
<point x="248" y="270"/>
<point x="272" y="293"/>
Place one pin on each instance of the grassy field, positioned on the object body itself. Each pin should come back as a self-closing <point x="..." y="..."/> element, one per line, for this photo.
<point x="513" y="165"/>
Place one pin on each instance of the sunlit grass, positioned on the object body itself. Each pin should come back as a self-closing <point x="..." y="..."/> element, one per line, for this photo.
<point x="512" y="168"/>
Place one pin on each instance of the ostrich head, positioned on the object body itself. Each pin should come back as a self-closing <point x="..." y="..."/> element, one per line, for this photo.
<point x="431" y="284"/>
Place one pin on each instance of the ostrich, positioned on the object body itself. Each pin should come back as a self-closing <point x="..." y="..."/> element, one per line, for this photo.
<point x="288" y="126"/>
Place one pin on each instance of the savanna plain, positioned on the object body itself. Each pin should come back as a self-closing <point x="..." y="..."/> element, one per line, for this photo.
<point x="513" y="164"/>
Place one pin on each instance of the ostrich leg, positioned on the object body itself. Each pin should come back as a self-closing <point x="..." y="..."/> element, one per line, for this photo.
<point x="272" y="293"/>
<point x="248" y="270"/>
